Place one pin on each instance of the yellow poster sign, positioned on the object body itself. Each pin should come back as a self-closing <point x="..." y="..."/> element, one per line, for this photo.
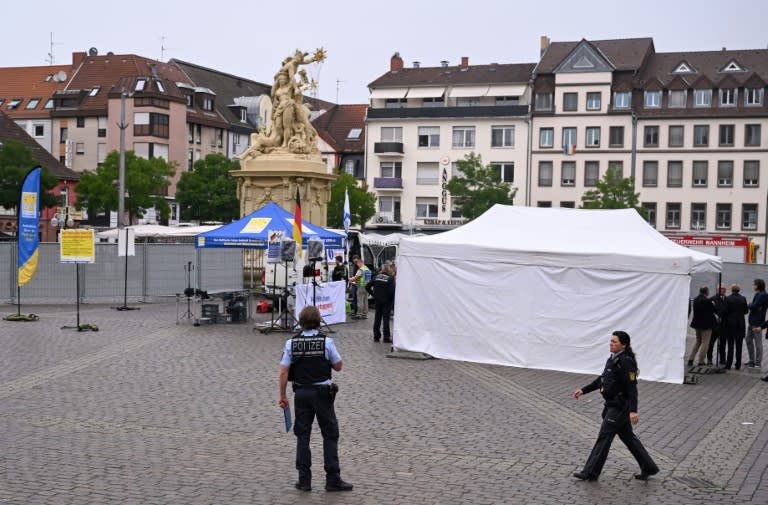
<point x="256" y="225"/>
<point x="77" y="246"/>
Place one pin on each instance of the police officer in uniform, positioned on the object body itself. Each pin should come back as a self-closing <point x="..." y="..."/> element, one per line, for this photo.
<point x="307" y="361"/>
<point x="618" y="385"/>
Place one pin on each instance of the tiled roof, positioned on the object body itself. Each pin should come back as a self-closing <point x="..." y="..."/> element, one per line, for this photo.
<point x="707" y="64"/>
<point x="623" y="54"/>
<point x="228" y="87"/>
<point x="455" y="75"/>
<point x="28" y="83"/>
<point x="107" y="71"/>
<point x="335" y="124"/>
<point x="10" y="130"/>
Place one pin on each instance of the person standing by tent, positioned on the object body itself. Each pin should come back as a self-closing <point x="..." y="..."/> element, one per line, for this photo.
<point x="618" y="385"/>
<point x="703" y="322"/>
<point x="718" y="332"/>
<point x="382" y="287"/>
<point x="735" y="328"/>
<point x="757" y="322"/>
<point x="307" y="361"/>
<point x="339" y="271"/>
<point x="359" y="280"/>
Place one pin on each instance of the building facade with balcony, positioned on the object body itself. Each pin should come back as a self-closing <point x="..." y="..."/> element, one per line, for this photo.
<point x="422" y="120"/>
<point x="690" y="127"/>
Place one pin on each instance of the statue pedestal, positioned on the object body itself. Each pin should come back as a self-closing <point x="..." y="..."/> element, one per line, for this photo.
<point x="274" y="177"/>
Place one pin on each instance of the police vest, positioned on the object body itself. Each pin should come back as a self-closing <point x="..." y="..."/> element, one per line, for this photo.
<point x="308" y="362"/>
<point x="365" y="277"/>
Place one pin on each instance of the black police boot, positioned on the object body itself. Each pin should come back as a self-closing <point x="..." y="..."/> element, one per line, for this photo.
<point x="338" y="485"/>
<point x="303" y="485"/>
<point x="585" y="476"/>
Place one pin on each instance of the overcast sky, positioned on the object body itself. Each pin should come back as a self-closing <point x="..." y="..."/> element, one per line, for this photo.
<point x="250" y="38"/>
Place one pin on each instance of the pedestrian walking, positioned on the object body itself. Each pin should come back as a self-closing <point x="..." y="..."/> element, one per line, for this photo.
<point x="307" y="361"/>
<point x="382" y="288"/>
<point x="618" y="385"/>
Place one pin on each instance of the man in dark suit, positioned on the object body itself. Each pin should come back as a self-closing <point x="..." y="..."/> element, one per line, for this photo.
<point x="735" y="327"/>
<point x="703" y="322"/>
<point x="718" y="332"/>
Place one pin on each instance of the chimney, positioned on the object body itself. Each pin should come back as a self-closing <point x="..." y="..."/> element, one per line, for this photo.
<point x="464" y="61"/>
<point x="544" y="45"/>
<point x="77" y="59"/>
<point x="443" y="63"/>
<point x="416" y="64"/>
<point x="395" y="63"/>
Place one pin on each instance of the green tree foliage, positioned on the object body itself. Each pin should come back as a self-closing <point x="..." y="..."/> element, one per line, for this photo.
<point x="15" y="161"/>
<point x="478" y="187"/>
<point x="613" y="192"/>
<point x="209" y="192"/>
<point x="362" y="203"/>
<point x="145" y="184"/>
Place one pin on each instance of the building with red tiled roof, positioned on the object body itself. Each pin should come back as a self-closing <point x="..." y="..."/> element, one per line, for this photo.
<point x="341" y="132"/>
<point x="65" y="189"/>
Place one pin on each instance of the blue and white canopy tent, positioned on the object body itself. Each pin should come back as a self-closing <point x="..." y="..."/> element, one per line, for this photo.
<point x="252" y="231"/>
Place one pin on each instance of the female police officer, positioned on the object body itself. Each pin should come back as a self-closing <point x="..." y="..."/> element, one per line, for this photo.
<point x="618" y="385"/>
<point x="307" y="361"/>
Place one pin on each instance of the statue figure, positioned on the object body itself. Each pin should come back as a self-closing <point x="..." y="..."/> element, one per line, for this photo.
<point x="292" y="131"/>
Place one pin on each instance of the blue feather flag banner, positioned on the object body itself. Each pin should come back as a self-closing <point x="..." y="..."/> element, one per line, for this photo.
<point x="29" y="219"/>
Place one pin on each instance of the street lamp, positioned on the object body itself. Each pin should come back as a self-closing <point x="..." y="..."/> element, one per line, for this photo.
<point x="66" y="221"/>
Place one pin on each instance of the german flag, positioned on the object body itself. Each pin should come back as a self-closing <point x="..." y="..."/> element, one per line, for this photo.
<point x="297" y="222"/>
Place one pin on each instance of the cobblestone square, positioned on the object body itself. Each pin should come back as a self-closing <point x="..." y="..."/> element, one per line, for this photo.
<point x="147" y="411"/>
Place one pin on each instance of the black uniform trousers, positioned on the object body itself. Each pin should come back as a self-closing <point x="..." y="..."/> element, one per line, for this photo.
<point x="383" y="311"/>
<point x="616" y="422"/>
<point x="311" y="401"/>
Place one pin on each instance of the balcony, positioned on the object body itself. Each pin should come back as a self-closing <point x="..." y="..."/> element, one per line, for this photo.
<point x="388" y="182"/>
<point x="390" y="148"/>
<point x="449" y="112"/>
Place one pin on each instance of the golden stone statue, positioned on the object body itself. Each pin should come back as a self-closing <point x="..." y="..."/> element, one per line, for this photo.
<point x="291" y="132"/>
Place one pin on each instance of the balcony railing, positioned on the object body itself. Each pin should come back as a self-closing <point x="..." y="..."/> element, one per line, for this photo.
<point x="388" y="148"/>
<point x="388" y="182"/>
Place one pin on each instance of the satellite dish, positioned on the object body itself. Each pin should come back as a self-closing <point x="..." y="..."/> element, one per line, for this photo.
<point x="61" y="76"/>
<point x="93" y="52"/>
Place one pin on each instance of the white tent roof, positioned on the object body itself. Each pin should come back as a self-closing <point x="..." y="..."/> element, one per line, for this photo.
<point x="156" y="230"/>
<point x="603" y="239"/>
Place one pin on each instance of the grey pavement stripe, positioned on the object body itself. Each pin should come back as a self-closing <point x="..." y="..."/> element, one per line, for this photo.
<point x="31" y="380"/>
<point x="718" y="456"/>
<point x="574" y="422"/>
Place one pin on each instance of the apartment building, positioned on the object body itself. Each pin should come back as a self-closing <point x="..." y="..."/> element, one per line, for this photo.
<point x="690" y="127"/>
<point x="341" y="138"/>
<point x="422" y="120"/>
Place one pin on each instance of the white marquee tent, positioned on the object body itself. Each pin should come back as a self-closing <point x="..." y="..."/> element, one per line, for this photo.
<point x="545" y="288"/>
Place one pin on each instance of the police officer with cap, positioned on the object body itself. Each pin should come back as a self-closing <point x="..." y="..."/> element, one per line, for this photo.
<point x="307" y="361"/>
<point x="618" y="385"/>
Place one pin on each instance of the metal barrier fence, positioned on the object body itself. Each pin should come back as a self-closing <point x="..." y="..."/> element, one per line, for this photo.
<point x="157" y="270"/>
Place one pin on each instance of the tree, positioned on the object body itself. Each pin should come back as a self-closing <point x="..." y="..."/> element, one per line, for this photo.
<point x="477" y="188"/>
<point x="613" y="192"/>
<point x="362" y="203"/>
<point x="15" y="161"/>
<point x="145" y="184"/>
<point x="209" y="192"/>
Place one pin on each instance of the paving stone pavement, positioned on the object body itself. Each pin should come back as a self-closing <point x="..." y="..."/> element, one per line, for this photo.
<point x="147" y="411"/>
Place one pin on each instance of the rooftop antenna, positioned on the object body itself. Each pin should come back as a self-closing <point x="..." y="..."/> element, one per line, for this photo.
<point x="338" y="89"/>
<point x="50" y="59"/>
<point x="163" y="49"/>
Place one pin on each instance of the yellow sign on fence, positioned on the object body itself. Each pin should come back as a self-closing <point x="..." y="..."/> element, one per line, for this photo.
<point x="77" y="246"/>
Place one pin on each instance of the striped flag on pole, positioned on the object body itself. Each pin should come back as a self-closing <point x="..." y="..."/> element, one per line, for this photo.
<point x="347" y="216"/>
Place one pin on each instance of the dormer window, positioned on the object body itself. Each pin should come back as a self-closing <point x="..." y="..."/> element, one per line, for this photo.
<point x="677" y="98"/>
<point x="33" y="103"/>
<point x="702" y="97"/>
<point x="189" y="98"/>
<point x="652" y="99"/>
<point x="160" y="86"/>
<point x="621" y="99"/>
<point x="140" y="85"/>
<point x="14" y="103"/>
<point x="48" y="104"/>
<point x="94" y="91"/>
<point x="728" y="97"/>
<point x="354" y="133"/>
<point x="752" y="96"/>
<point x="243" y="115"/>
<point x="684" y="68"/>
<point x="207" y="104"/>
